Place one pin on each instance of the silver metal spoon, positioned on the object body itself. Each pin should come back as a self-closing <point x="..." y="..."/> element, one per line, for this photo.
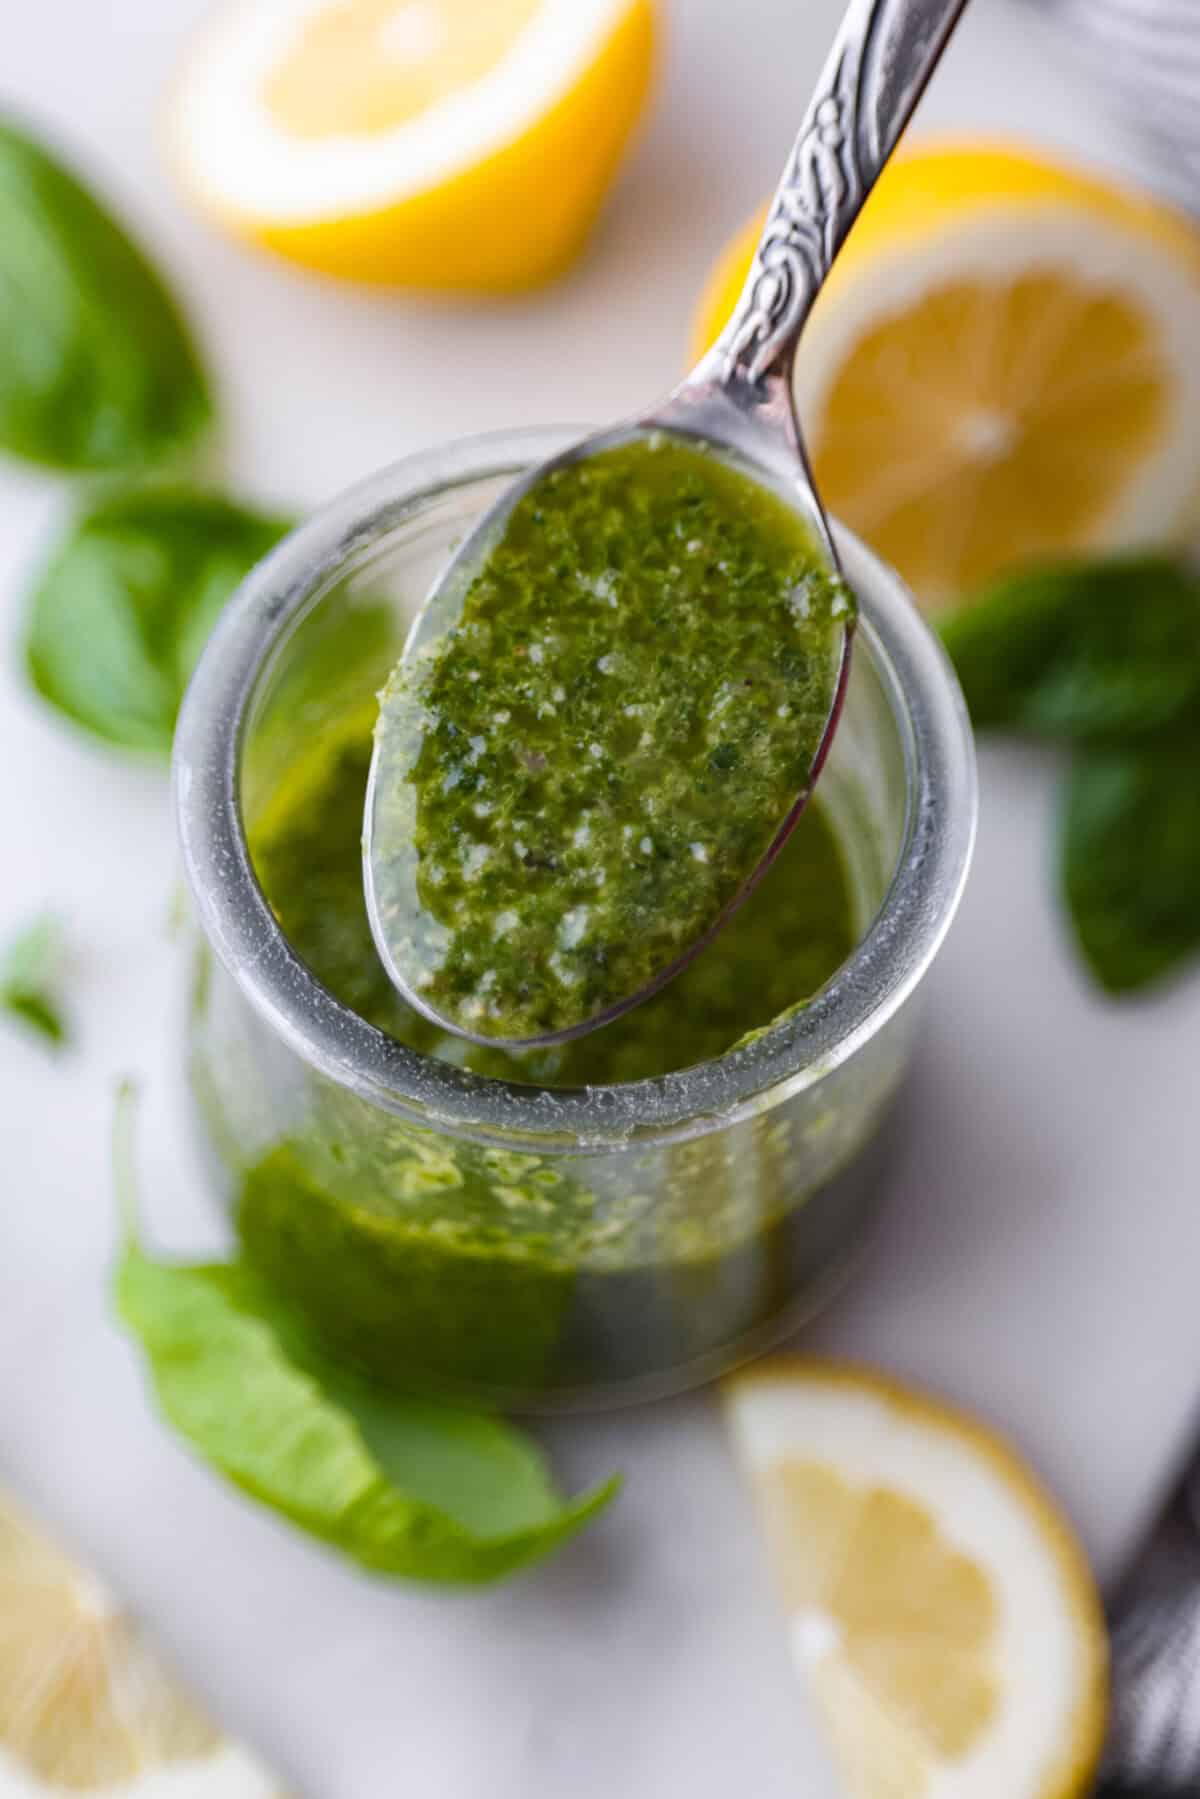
<point x="737" y="402"/>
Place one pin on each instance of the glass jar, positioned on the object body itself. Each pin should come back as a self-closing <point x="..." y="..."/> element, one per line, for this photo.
<point x="536" y="1245"/>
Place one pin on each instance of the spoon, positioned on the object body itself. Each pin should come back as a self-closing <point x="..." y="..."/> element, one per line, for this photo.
<point x="737" y="408"/>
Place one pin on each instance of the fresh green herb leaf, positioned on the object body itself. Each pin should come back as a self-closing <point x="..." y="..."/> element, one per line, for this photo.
<point x="1088" y="651"/>
<point x="1106" y="656"/>
<point x="119" y="617"/>
<point x="30" y="974"/>
<point x="401" y="1485"/>
<point x="97" y="368"/>
<point x="1130" y="858"/>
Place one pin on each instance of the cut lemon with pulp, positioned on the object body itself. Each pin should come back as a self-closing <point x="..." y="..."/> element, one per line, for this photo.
<point x="1003" y="367"/>
<point x="942" y="1616"/>
<point x="439" y="144"/>
<point x="85" y="1705"/>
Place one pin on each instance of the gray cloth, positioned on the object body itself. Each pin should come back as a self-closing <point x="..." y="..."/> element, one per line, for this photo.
<point x="1145" y="56"/>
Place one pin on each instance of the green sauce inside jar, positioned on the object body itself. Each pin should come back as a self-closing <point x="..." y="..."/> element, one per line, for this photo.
<point x="784" y="943"/>
<point x="432" y="1261"/>
<point x="455" y="1262"/>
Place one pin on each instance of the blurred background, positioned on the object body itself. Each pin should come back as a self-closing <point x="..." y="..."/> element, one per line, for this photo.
<point x="1038" y="1251"/>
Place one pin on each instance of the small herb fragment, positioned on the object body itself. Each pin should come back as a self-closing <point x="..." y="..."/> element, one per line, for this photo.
<point x="1082" y="651"/>
<point x="401" y="1485"/>
<point x="1130" y="851"/>
<point x="120" y="615"/>
<point x="30" y="975"/>
<point x="97" y="368"/>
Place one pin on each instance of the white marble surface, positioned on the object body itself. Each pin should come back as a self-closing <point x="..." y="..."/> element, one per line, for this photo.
<point x="1042" y="1234"/>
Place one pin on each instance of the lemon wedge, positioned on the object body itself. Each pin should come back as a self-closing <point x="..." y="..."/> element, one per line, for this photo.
<point x="85" y="1705"/>
<point x="1003" y="367"/>
<point x="943" y="1619"/>
<point x="437" y="144"/>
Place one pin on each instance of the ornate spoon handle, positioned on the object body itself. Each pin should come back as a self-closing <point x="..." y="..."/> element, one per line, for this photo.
<point x="882" y="58"/>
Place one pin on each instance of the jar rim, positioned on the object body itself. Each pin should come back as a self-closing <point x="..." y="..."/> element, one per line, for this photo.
<point x="785" y="1057"/>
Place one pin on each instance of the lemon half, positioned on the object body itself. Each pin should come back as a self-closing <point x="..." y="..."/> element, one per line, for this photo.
<point x="943" y="1618"/>
<point x="1003" y="367"/>
<point x="437" y="144"/>
<point x="86" y="1707"/>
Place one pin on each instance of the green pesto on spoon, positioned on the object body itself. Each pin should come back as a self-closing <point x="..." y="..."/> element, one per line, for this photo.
<point x="615" y="701"/>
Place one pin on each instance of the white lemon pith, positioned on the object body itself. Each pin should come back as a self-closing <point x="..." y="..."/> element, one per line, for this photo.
<point x="942" y="1618"/>
<point x="430" y="143"/>
<point x="85" y="1705"/>
<point x="1004" y="367"/>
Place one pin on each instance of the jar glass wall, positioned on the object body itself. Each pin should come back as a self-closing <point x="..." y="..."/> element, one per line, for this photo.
<point x="527" y="1244"/>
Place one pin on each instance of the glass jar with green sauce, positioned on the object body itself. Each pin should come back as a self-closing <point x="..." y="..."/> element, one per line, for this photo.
<point x="614" y="1217"/>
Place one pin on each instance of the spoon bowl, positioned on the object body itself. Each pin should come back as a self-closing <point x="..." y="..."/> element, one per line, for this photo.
<point x="409" y="936"/>
<point x="737" y="406"/>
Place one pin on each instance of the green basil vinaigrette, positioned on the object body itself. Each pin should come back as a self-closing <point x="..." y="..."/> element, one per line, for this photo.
<point x="419" y="1257"/>
<point x="785" y="942"/>
<point x="582" y="774"/>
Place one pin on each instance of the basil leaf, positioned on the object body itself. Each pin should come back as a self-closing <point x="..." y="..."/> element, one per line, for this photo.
<point x="1130" y="858"/>
<point x="30" y="972"/>
<point x="97" y="368"/>
<point x="1101" y="650"/>
<point x="401" y="1485"/>
<point x="120" y="615"/>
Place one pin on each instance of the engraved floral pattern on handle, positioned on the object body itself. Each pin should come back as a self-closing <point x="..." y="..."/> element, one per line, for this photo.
<point x="885" y="53"/>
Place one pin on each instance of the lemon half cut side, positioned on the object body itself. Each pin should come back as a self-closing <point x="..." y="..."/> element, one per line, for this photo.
<point x="942" y="1616"/>
<point x="437" y="144"/>
<point x="86" y="1706"/>
<point x="1004" y="366"/>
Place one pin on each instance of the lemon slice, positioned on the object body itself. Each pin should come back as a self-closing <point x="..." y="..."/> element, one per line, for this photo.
<point x="943" y="1618"/>
<point x="1004" y="366"/>
<point x="438" y="144"/>
<point x="85" y="1705"/>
